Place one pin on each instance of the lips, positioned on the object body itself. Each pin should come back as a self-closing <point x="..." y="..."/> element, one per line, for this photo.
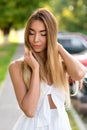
<point x="36" y="46"/>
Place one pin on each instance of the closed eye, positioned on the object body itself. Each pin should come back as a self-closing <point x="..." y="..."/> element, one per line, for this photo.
<point x="31" y="32"/>
<point x="44" y="34"/>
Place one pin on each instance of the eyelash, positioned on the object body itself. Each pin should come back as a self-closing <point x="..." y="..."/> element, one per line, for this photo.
<point x="43" y="34"/>
<point x="33" y="34"/>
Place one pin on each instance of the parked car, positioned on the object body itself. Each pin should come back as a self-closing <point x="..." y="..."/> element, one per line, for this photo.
<point x="82" y="58"/>
<point x="79" y="101"/>
<point x="84" y="86"/>
<point x="77" y="34"/>
<point x="72" y="43"/>
<point x="83" y="36"/>
<point x="76" y="45"/>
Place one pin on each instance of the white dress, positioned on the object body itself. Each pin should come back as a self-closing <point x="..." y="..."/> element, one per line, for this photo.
<point x="46" y="118"/>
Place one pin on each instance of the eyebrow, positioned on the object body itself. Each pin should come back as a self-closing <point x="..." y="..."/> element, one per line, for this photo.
<point x="40" y="30"/>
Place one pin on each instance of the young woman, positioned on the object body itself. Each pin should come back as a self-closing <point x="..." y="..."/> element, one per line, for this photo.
<point x="40" y="77"/>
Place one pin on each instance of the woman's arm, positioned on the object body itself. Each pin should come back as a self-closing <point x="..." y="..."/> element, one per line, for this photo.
<point x="27" y="99"/>
<point x="74" y="68"/>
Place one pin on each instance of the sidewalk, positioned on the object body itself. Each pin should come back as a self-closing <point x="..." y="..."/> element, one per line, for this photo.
<point x="9" y="111"/>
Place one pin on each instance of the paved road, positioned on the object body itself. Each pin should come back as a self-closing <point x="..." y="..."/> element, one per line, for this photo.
<point x="9" y="110"/>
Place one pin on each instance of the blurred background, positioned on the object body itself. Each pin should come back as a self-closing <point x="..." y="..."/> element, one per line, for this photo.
<point x="71" y="16"/>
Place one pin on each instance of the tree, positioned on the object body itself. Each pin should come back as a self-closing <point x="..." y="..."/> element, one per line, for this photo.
<point x="14" y="13"/>
<point x="72" y="14"/>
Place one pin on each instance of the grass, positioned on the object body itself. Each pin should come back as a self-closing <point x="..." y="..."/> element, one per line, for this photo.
<point x="6" y="54"/>
<point x="72" y="121"/>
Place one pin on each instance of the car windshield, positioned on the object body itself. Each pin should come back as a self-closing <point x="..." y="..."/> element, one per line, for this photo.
<point x="64" y="42"/>
<point x="76" y="42"/>
<point x="71" y="42"/>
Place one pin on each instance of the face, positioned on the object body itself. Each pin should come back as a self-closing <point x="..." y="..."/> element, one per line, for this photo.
<point x="37" y="36"/>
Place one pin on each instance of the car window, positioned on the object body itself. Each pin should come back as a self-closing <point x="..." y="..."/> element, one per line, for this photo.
<point x="64" y="42"/>
<point x="76" y="42"/>
<point x="72" y="44"/>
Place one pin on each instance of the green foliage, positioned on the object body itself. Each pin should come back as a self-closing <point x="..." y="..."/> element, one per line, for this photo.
<point x="72" y="121"/>
<point x="14" y="13"/>
<point x="71" y="14"/>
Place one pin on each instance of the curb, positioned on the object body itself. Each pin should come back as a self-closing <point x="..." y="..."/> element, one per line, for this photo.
<point x="2" y="87"/>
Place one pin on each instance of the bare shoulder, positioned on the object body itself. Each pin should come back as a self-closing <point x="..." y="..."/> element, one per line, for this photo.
<point x="16" y="65"/>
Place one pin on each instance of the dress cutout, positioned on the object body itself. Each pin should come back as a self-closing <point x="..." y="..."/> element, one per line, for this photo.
<point x="46" y="118"/>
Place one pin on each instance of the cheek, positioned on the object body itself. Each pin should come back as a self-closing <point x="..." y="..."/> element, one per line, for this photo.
<point x="44" y="44"/>
<point x="30" y="39"/>
<point x="44" y="40"/>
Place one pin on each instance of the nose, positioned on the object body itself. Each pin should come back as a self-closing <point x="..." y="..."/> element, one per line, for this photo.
<point x="36" y="38"/>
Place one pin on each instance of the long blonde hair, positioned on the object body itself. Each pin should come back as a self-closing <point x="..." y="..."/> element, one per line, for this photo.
<point x="54" y="65"/>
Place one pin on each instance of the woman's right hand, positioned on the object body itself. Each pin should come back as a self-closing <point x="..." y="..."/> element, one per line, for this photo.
<point x="30" y="60"/>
